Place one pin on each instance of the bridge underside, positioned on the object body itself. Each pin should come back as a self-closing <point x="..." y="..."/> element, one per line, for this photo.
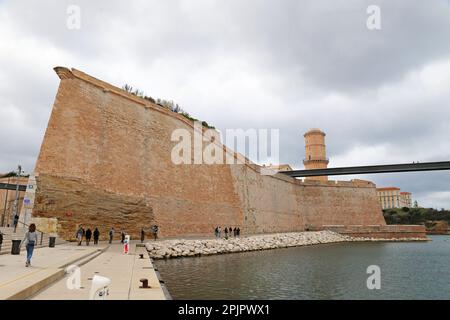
<point x="387" y="168"/>
<point x="12" y="186"/>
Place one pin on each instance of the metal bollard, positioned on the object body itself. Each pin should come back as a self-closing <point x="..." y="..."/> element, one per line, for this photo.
<point x="144" y="283"/>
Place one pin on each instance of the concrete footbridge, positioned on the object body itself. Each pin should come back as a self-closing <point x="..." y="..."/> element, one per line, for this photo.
<point x="12" y="186"/>
<point x="386" y="168"/>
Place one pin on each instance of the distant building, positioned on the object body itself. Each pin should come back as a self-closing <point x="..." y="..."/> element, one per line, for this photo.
<point x="405" y="199"/>
<point x="392" y="197"/>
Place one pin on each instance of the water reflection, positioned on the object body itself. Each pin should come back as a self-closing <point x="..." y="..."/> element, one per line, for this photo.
<point x="333" y="271"/>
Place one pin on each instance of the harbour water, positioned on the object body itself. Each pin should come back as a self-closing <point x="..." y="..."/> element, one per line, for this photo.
<point x="411" y="270"/>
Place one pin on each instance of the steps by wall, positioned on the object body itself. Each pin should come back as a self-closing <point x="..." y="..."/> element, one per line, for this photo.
<point x="52" y="264"/>
<point x="9" y="234"/>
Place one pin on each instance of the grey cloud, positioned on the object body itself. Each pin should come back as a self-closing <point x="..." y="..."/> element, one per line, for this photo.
<point x="252" y="64"/>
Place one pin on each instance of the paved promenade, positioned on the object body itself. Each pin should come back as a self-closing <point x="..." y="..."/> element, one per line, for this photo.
<point x="46" y="278"/>
<point x="48" y="264"/>
<point x="124" y="270"/>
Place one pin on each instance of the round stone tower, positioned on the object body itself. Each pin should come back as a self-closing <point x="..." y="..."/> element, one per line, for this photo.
<point x="315" y="152"/>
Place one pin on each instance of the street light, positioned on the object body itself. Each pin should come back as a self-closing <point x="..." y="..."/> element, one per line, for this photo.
<point x="5" y="206"/>
<point x="16" y="200"/>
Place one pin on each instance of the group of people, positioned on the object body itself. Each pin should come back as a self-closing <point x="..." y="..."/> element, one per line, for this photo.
<point x="229" y="232"/>
<point x="81" y="233"/>
<point x="111" y="235"/>
<point x="31" y="238"/>
<point x="87" y="234"/>
<point x="154" y="231"/>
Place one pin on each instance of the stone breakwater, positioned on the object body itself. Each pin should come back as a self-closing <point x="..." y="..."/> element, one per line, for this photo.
<point x="190" y="248"/>
<point x="365" y="239"/>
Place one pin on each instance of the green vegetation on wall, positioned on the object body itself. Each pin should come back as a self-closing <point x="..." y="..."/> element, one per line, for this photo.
<point x="168" y="104"/>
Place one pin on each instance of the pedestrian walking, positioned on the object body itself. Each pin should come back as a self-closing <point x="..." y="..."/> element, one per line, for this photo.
<point x="142" y="235"/>
<point x="238" y="232"/>
<point x="155" y="231"/>
<point x="79" y="235"/>
<point x="111" y="235"/>
<point x="216" y="232"/>
<point x="96" y="235"/>
<point x="226" y="233"/>
<point x="1" y="240"/>
<point x="122" y="237"/>
<point x="220" y="232"/>
<point x="88" y="236"/>
<point x="30" y="239"/>
<point x="15" y="221"/>
<point x="234" y="232"/>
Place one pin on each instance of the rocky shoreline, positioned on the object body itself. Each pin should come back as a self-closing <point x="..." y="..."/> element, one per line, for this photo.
<point x="189" y="248"/>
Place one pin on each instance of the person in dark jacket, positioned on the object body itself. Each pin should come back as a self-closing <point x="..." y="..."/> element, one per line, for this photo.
<point x="142" y="235"/>
<point x="1" y="240"/>
<point x="16" y="221"/>
<point x="155" y="232"/>
<point x="123" y="237"/>
<point x="111" y="235"/>
<point x="238" y="232"/>
<point x="96" y="235"/>
<point x="226" y="233"/>
<point x="88" y="236"/>
<point x="234" y="232"/>
<point x="216" y="232"/>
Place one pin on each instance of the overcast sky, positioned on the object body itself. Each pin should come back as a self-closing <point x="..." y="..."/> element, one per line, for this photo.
<point x="382" y="96"/>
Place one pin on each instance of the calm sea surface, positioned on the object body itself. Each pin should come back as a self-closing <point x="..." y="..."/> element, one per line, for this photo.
<point x="413" y="270"/>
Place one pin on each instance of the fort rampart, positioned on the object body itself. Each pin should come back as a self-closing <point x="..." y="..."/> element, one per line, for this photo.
<point x="106" y="161"/>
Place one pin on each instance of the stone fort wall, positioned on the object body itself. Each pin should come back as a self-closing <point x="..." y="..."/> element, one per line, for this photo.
<point x="106" y="161"/>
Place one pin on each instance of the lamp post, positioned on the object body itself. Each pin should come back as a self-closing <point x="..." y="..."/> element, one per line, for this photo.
<point x="5" y="205"/>
<point x="16" y="200"/>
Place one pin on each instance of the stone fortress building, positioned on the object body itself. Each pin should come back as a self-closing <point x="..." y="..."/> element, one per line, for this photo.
<point x="105" y="161"/>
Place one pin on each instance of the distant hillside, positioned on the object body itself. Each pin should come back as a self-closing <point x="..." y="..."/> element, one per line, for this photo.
<point x="415" y="215"/>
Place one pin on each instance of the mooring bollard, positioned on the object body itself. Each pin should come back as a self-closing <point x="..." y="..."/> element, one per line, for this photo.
<point x="144" y="283"/>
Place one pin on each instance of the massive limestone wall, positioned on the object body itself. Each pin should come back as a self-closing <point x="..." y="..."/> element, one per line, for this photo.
<point x="106" y="161"/>
<point x="279" y="203"/>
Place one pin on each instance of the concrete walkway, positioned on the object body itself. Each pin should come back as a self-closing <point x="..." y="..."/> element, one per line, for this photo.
<point x="48" y="265"/>
<point x="124" y="270"/>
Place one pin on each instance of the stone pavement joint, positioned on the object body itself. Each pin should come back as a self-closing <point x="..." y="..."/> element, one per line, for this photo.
<point x="124" y="270"/>
<point x="48" y="265"/>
